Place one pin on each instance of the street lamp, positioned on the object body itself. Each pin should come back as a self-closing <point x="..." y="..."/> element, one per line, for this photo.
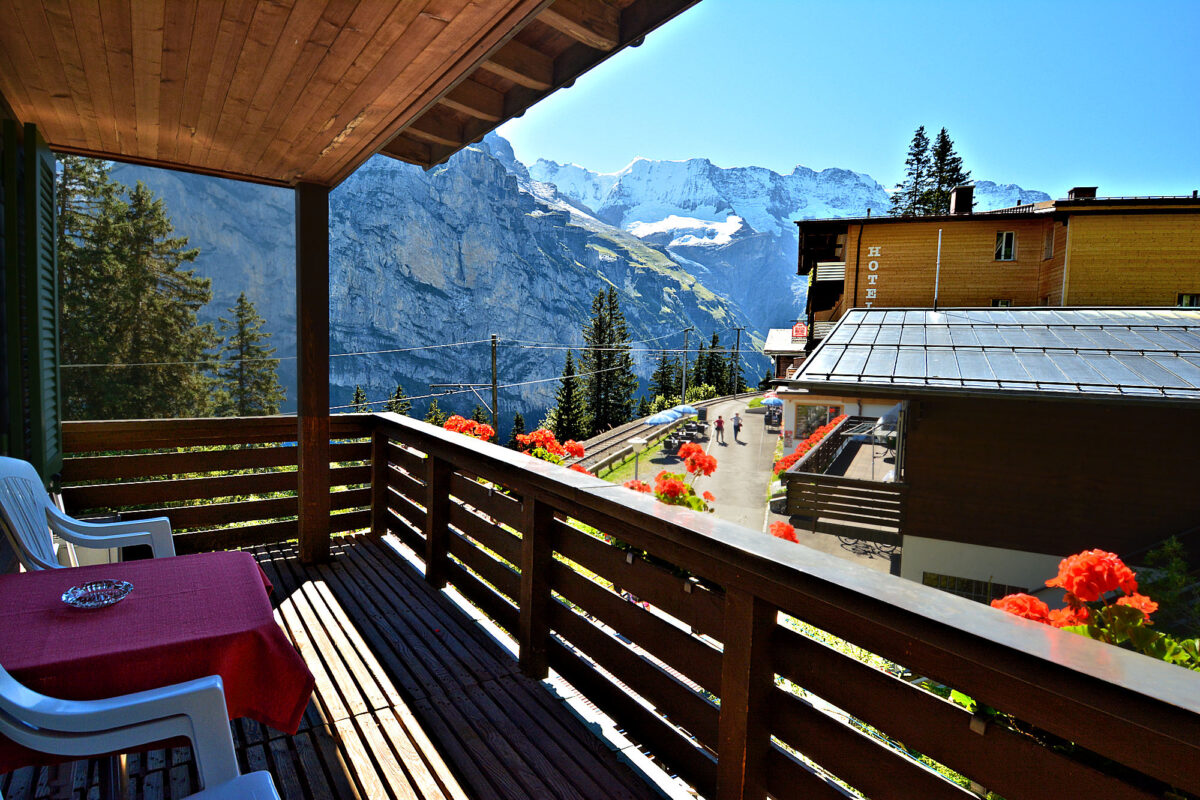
<point x="638" y="446"/>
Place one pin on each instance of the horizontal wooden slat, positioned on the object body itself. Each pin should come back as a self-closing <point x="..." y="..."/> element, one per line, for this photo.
<point x="671" y="698"/>
<point x="504" y="578"/>
<point x="406" y="459"/>
<point x="493" y="502"/>
<point x="407" y="509"/>
<point x="406" y="485"/>
<point x="90" y="437"/>
<point x="488" y="534"/>
<point x="692" y="763"/>
<point x="786" y="777"/>
<point x="682" y="651"/>
<point x="404" y="531"/>
<point x="1004" y="762"/>
<point x="148" y="465"/>
<point x="493" y="604"/>
<point x="699" y="608"/>
<point x="865" y="763"/>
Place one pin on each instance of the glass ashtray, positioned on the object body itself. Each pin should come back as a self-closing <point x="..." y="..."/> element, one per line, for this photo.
<point x="97" y="594"/>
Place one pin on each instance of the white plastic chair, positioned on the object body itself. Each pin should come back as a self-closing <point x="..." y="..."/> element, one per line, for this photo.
<point x="28" y="517"/>
<point x="81" y="728"/>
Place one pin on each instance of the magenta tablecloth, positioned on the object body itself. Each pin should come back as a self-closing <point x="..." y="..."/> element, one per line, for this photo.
<point x="187" y="617"/>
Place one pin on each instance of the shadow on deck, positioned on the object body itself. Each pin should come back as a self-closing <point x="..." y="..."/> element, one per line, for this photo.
<point x="413" y="700"/>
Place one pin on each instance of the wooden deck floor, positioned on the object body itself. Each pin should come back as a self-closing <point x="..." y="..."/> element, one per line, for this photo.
<point x="413" y="700"/>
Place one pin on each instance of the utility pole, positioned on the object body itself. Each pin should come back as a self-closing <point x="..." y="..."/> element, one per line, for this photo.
<point x="683" y="387"/>
<point x="735" y="362"/>
<point x="495" y="391"/>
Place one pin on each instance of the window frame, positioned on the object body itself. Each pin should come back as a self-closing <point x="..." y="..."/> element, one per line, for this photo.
<point x="1194" y="297"/>
<point x="1002" y="238"/>
<point x="1048" y="245"/>
<point x="998" y="302"/>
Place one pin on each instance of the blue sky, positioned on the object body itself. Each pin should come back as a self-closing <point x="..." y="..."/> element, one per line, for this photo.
<point x="1048" y="95"/>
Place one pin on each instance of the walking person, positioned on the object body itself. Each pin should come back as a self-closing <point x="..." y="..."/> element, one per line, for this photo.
<point x="737" y="426"/>
<point x="720" y="426"/>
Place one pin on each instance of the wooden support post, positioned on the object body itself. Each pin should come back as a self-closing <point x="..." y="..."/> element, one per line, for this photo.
<point x="537" y="528"/>
<point x="379" y="483"/>
<point x="312" y="351"/>
<point x="437" y="519"/>
<point x="747" y="680"/>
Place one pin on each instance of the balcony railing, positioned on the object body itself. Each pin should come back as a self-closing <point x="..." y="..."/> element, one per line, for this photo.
<point x="831" y="271"/>
<point x="735" y="667"/>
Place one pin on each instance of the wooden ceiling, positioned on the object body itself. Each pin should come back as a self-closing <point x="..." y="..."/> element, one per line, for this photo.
<point x="302" y="91"/>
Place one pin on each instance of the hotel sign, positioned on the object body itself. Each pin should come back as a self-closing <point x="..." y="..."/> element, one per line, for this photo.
<point x="873" y="253"/>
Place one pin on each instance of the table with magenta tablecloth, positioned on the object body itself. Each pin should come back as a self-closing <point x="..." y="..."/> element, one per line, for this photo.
<point x="187" y="617"/>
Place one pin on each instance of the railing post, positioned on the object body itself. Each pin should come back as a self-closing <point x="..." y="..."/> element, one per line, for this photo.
<point x="437" y="519"/>
<point x="536" y="547"/>
<point x="379" y="482"/>
<point x="747" y="679"/>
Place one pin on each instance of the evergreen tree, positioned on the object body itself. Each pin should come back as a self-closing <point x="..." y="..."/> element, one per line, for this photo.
<point x="435" y="415"/>
<point x="247" y="377"/>
<point x="665" y="378"/>
<point x="643" y="409"/>
<point x="127" y="298"/>
<point x="571" y="419"/>
<point x="765" y="383"/>
<point x="607" y="363"/>
<point x="700" y="368"/>
<point x="912" y="194"/>
<point x="398" y="403"/>
<point x="481" y="414"/>
<point x="518" y="428"/>
<point x="359" y="403"/>
<point x="737" y="383"/>
<point x="716" y="373"/>
<point x="946" y="172"/>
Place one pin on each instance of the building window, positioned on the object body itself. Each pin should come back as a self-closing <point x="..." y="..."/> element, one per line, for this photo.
<point x="1048" y="246"/>
<point x="1006" y="245"/>
<point x="1001" y="303"/>
<point x="1191" y="300"/>
<point x="979" y="591"/>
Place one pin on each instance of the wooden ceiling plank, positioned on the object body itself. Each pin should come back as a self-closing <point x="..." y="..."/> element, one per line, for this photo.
<point x="320" y="96"/>
<point x="146" y="19"/>
<point x="86" y="16"/>
<point x="35" y="51"/>
<point x="334" y="17"/>
<point x="262" y="38"/>
<point x="476" y="100"/>
<point x="523" y="65"/>
<point x="469" y="51"/>
<point x="62" y="26"/>
<point x="591" y="22"/>
<point x="15" y="92"/>
<point x="118" y="55"/>
<point x="179" y="31"/>
<point x="205" y="32"/>
<point x="408" y="150"/>
<point x="390" y="52"/>
<point x="437" y="128"/>
<point x="231" y="35"/>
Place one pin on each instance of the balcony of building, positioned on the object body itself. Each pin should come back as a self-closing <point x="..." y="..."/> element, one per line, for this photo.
<point x="489" y="625"/>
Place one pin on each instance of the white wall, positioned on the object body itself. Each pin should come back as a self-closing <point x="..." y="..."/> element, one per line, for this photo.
<point x="977" y="562"/>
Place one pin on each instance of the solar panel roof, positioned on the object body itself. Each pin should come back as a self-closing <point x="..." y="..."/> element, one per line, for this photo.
<point x="1113" y="353"/>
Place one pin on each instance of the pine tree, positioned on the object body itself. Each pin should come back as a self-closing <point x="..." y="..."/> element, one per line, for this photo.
<point x="911" y="195"/>
<point x="518" y="429"/>
<point x="247" y="375"/>
<point x="435" y="415"/>
<point x="398" y="403"/>
<point x="716" y="372"/>
<point x="665" y="378"/>
<point x="607" y="363"/>
<point x="571" y="420"/>
<point x="481" y="414"/>
<point x="359" y="403"/>
<point x="126" y="297"/>
<point x="765" y="383"/>
<point x="946" y="172"/>
<point x="700" y="368"/>
<point x="643" y="409"/>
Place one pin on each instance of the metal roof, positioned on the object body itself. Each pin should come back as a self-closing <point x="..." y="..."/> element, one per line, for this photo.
<point x="779" y="340"/>
<point x="1101" y="353"/>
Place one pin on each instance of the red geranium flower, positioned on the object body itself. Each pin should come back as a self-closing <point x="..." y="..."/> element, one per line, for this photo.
<point x="701" y="463"/>
<point x="708" y="496"/>
<point x="1064" y="617"/>
<point x="636" y="485"/>
<point x="1141" y="603"/>
<point x="672" y="487"/>
<point x="1092" y="574"/>
<point x="573" y="448"/>
<point x="1024" y="605"/>
<point x="579" y="468"/>
<point x="689" y="449"/>
<point x="782" y="530"/>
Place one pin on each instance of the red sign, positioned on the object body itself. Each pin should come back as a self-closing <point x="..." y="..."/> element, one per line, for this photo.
<point x="800" y="331"/>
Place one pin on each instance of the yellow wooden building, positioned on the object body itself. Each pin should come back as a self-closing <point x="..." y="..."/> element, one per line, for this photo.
<point x="1083" y="250"/>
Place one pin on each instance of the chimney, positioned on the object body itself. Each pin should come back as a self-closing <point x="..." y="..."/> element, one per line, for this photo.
<point x="961" y="198"/>
<point x="1082" y="193"/>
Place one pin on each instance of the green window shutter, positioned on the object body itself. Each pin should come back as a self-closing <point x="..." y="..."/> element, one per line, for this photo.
<point x="34" y="429"/>
<point x="41" y="307"/>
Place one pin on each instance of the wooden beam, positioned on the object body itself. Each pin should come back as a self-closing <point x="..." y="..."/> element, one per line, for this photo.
<point x="747" y="680"/>
<point x="312" y="351"/>
<point x="592" y="22"/>
<point x="537" y="530"/>
<point x="522" y="65"/>
<point x="436" y="128"/>
<point x="406" y="149"/>
<point x="476" y="100"/>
